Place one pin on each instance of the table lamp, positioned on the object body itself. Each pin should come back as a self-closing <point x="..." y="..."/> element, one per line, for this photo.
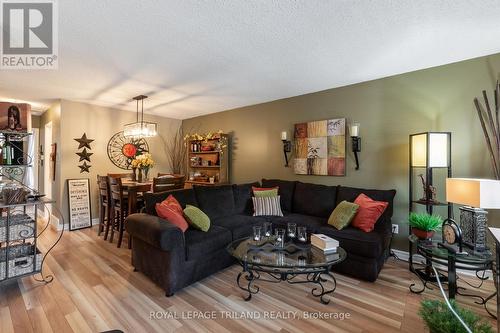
<point x="476" y="195"/>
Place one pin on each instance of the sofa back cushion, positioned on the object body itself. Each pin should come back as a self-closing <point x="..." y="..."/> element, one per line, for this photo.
<point x="215" y="201"/>
<point x="243" y="198"/>
<point x="184" y="197"/>
<point x="286" y="189"/>
<point x="314" y="200"/>
<point x="351" y="193"/>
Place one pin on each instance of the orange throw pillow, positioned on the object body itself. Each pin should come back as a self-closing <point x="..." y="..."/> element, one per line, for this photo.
<point x="172" y="202"/>
<point x="368" y="213"/>
<point x="172" y="215"/>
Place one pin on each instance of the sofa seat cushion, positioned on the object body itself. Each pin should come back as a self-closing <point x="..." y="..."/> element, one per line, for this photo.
<point x="215" y="201"/>
<point x="239" y="225"/>
<point x="355" y="241"/>
<point x="286" y="189"/>
<point x="312" y="223"/>
<point x="200" y="244"/>
<point x="314" y="199"/>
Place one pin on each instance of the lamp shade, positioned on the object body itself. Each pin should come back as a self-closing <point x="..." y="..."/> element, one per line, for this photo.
<point x="430" y="149"/>
<point x="478" y="193"/>
<point x="142" y="129"/>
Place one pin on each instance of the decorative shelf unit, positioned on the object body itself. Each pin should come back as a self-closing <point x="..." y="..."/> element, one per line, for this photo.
<point x="13" y="157"/>
<point x="19" y="227"/>
<point x="430" y="163"/>
<point x="208" y="158"/>
<point x="19" y="233"/>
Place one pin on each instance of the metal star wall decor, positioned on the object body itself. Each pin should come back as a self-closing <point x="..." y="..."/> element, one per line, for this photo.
<point x="84" y="155"/>
<point x="84" y="142"/>
<point x="84" y="167"/>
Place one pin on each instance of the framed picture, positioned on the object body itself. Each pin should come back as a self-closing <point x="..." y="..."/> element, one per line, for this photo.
<point x="15" y="117"/>
<point x="320" y="148"/>
<point x="80" y="213"/>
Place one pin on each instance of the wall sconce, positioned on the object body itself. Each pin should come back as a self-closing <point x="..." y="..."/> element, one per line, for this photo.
<point x="287" y="146"/>
<point x="356" y="142"/>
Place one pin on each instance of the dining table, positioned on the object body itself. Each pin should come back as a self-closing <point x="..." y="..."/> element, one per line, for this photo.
<point x="134" y="188"/>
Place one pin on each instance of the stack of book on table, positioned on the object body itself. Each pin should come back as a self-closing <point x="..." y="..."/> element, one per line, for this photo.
<point x="324" y="243"/>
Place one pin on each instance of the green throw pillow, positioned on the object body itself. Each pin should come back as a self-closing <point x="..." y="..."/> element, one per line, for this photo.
<point x="266" y="193"/>
<point x="343" y="214"/>
<point x="197" y="218"/>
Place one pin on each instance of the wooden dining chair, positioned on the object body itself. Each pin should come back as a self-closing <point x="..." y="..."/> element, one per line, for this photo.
<point x="167" y="182"/>
<point x="104" y="206"/>
<point x="119" y="209"/>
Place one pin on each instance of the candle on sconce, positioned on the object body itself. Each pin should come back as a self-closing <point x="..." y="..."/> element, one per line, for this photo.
<point x="283" y="136"/>
<point x="355" y="129"/>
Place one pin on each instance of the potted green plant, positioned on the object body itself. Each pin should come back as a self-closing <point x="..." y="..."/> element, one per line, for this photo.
<point x="424" y="225"/>
<point x="439" y="318"/>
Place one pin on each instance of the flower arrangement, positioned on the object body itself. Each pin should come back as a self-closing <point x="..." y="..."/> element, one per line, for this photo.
<point x="143" y="161"/>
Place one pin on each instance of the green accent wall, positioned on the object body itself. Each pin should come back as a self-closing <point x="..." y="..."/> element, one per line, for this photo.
<point x="389" y="109"/>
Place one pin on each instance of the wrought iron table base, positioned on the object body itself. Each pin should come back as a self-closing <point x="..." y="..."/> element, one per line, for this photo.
<point x="250" y="275"/>
<point x="431" y="280"/>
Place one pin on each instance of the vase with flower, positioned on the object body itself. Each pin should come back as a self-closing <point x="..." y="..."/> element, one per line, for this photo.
<point x="143" y="163"/>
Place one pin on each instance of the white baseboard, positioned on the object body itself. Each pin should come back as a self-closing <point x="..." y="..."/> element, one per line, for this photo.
<point x="403" y="255"/>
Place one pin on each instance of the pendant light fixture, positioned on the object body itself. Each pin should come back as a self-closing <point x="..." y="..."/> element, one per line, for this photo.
<point x="140" y="129"/>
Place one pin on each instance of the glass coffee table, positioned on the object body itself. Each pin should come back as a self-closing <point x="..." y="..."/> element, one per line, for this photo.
<point x="284" y="264"/>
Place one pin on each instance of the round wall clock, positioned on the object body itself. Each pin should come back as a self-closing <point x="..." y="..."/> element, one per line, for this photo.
<point x="122" y="150"/>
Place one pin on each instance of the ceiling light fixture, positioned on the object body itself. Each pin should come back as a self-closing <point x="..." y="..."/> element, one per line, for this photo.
<point x="140" y="129"/>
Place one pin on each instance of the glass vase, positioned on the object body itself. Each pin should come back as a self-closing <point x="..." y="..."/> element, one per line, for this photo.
<point x="139" y="175"/>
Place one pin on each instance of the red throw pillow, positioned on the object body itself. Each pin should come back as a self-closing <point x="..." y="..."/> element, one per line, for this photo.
<point x="172" y="215"/>
<point x="257" y="189"/>
<point x="172" y="202"/>
<point x="368" y="213"/>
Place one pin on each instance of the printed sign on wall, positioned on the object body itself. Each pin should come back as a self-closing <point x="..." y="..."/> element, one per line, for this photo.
<point x="79" y="204"/>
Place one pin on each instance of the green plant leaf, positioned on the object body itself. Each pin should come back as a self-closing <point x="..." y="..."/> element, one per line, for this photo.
<point x="425" y="221"/>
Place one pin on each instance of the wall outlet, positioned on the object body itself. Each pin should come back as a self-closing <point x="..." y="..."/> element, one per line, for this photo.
<point x="395" y="229"/>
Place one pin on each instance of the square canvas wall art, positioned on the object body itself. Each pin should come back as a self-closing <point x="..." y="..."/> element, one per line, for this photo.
<point x="320" y="148"/>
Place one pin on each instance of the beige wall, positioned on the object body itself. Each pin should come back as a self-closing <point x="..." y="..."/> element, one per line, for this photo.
<point x="388" y="109"/>
<point x="35" y="121"/>
<point x="100" y="124"/>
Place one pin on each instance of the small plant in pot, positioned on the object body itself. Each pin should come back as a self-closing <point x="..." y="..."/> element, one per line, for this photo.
<point x="424" y="225"/>
<point x="439" y="318"/>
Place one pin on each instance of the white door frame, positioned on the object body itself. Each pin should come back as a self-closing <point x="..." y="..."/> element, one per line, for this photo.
<point x="47" y="179"/>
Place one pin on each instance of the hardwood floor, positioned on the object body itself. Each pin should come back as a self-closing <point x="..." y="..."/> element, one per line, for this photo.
<point x="95" y="290"/>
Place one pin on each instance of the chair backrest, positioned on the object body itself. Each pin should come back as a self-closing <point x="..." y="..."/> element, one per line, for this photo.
<point x="103" y="185"/>
<point x="165" y="183"/>
<point x="116" y="191"/>
<point x="120" y="175"/>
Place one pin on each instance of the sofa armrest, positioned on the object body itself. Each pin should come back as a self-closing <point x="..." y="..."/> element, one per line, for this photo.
<point x="156" y="231"/>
